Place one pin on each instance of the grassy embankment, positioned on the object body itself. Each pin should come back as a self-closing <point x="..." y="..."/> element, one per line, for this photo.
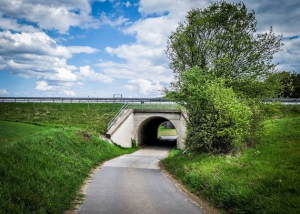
<point x="264" y="179"/>
<point x="43" y="166"/>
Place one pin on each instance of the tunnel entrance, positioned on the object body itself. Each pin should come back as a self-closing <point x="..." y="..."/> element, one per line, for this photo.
<point x="157" y="131"/>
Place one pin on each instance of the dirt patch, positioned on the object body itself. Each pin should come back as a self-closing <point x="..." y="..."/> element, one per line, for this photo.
<point x="86" y="136"/>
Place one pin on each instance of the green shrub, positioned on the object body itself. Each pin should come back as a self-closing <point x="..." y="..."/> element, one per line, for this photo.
<point x="218" y="120"/>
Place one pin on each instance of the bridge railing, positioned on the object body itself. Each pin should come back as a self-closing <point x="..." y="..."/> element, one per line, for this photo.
<point x="117" y="116"/>
<point x="135" y="102"/>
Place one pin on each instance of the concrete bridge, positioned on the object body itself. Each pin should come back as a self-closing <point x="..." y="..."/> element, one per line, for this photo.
<point x="141" y="126"/>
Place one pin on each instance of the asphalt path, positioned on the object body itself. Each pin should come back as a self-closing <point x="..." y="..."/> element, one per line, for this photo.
<point x="134" y="184"/>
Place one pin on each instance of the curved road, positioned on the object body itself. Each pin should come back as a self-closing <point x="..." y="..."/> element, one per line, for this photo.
<point x="134" y="184"/>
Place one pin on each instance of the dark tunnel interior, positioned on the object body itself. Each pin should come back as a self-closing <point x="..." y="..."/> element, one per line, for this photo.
<point x="149" y="133"/>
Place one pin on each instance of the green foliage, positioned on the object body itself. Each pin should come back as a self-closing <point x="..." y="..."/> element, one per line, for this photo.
<point x="296" y="86"/>
<point x="286" y="81"/>
<point x="133" y="143"/>
<point x="218" y="120"/>
<point x="223" y="39"/>
<point x="264" y="179"/>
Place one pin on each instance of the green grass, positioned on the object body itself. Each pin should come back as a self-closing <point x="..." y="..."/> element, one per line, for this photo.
<point x="265" y="179"/>
<point x="162" y="131"/>
<point x="43" y="164"/>
<point x="93" y="117"/>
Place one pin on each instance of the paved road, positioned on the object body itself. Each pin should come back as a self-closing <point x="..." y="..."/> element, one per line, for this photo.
<point x="134" y="184"/>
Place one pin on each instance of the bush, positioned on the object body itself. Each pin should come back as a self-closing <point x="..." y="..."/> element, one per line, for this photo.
<point x="218" y="120"/>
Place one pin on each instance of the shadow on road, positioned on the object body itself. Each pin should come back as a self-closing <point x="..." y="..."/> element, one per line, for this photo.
<point x="165" y="141"/>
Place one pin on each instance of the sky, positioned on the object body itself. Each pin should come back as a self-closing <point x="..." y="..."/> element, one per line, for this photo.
<point x="100" y="48"/>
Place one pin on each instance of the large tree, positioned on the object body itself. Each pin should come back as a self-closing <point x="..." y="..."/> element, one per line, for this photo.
<point x="223" y="39"/>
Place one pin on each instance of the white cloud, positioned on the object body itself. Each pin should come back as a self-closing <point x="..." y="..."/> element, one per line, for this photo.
<point x="145" y="87"/>
<point x="3" y="91"/>
<point x="113" y="23"/>
<point x="43" y="86"/>
<point x="69" y="93"/>
<point x="127" y="4"/>
<point x="82" y="49"/>
<point x="62" y="75"/>
<point x="37" y="43"/>
<point x="12" y="24"/>
<point x="55" y="14"/>
<point x="152" y="31"/>
<point x="89" y="74"/>
<point x="288" y="59"/>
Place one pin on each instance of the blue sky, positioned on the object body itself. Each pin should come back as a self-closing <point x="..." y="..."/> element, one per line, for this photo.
<point x="97" y="48"/>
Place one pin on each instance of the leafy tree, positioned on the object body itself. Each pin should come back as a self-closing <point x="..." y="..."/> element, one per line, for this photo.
<point x="285" y="79"/>
<point x="217" y="59"/>
<point x="223" y="39"/>
<point x="296" y="85"/>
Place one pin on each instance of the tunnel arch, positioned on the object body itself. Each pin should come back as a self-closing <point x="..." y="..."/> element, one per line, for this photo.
<point x="148" y="132"/>
<point x="133" y="125"/>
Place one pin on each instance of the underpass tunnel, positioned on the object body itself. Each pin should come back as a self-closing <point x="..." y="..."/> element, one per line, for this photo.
<point x="149" y="133"/>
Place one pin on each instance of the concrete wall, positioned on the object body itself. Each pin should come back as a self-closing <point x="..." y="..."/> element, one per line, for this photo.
<point x="124" y="131"/>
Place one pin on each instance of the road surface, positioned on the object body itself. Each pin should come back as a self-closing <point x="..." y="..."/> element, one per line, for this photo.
<point x="134" y="184"/>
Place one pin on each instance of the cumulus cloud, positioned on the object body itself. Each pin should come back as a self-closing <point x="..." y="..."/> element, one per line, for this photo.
<point x="3" y="91"/>
<point x="69" y="93"/>
<point x="12" y="24"/>
<point x="56" y="14"/>
<point x="89" y="74"/>
<point x="288" y="59"/>
<point x="28" y="53"/>
<point x="82" y="49"/>
<point x="146" y="57"/>
<point x="283" y="17"/>
<point x="144" y="87"/>
<point x="43" y="86"/>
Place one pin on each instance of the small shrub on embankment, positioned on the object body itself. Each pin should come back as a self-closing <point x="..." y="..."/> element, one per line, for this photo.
<point x="264" y="179"/>
<point x="42" y="168"/>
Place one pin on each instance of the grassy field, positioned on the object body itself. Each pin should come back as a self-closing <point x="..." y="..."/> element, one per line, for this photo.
<point x="265" y="179"/>
<point x="162" y="131"/>
<point x="93" y="117"/>
<point x="44" y="164"/>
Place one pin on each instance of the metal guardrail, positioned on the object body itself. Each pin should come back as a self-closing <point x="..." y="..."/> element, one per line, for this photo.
<point x="113" y="121"/>
<point x="291" y="101"/>
<point x="114" y="100"/>
<point x="81" y="99"/>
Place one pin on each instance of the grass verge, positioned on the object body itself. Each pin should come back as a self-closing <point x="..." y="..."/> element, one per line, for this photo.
<point x="265" y="179"/>
<point x="43" y="166"/>
<point x="162" y="131"/>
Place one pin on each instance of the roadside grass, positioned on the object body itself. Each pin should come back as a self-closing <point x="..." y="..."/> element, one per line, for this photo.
<point x="47" y="150"/>
<point x="93" y="117"/>
<point x="43" y="171"/>
<point x="265" y="179"/>
<point x="162" y="131"/>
